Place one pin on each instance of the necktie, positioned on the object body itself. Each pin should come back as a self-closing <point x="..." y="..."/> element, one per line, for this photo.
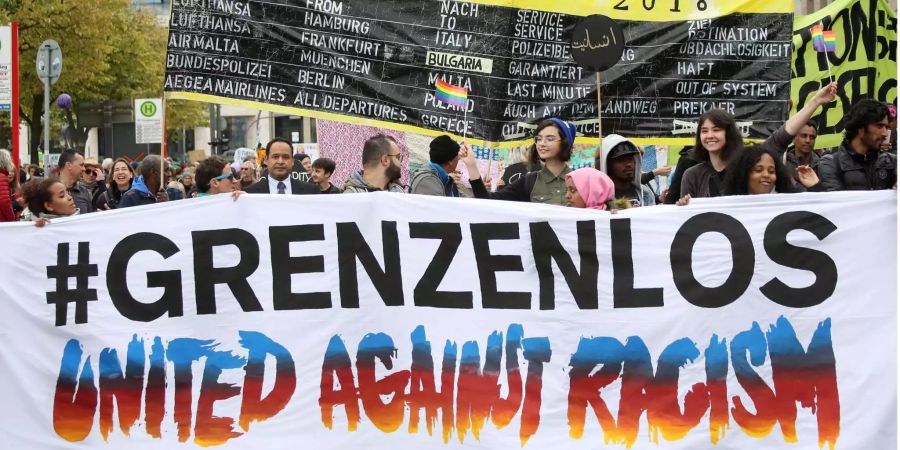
<point x="281" y="187"/>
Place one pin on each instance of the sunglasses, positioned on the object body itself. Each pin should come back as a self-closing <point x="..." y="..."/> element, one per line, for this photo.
<point x="224" y="176"/>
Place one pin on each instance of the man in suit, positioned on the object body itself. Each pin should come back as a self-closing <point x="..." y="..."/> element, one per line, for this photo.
<point x="280" y="160"/>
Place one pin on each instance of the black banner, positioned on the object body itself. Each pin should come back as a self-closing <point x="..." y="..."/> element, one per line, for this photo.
<point x="379" y="60"/>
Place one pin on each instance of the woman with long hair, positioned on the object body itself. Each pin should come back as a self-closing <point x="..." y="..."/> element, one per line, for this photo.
<point x="553" y="141"/>
<point x="119" y="183"/>
<point x="718" y="140"/>
<point x="8" y="179"/>
<point x="756" y="170"/>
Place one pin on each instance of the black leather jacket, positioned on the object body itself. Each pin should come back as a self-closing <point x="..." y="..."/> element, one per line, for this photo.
<point x="846" y="170"/>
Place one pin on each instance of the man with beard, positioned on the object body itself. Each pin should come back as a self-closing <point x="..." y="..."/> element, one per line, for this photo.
<point x="279" y="160"/>
<point x="802" y="154"/>
<point x="621" y="160"/>
<point x="859" y="163"/>
<point x="381" y="160"/>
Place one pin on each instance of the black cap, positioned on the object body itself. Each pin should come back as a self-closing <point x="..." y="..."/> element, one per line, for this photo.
<point x="622" y="149"/>
<point x="443" y="149"/>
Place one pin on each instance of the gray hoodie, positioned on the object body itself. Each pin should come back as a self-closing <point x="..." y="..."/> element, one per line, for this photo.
<point x="647" y="198"/>
<point x="357" y="184"/>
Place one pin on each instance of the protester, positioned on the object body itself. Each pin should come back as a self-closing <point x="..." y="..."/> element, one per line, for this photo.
<point x="71" y="166"/>
<point x="7" y="187"/>
<point x="802" y="153"/>
<point x="553" y="146"/>
<point x="322" y="169"/>
<point x="278" y="180"/>
<point x="47" y="199"/>
<point x="300" y="170"/>
<point x="146" y="189"/>
<point x="93" y="179"/>
<point x="434" y="178"/>
<point x="187" y="180"/>
<point x="684" y="163"/>
<point x="589" y="188"/>
<point x="718" y="139"/>
<point x="107" y="167"/>
<point x="119" y="183"/>
<point x="858" y="164"/>
<point x="890" y="144"/>
<point x="647" y="177"/>
<point x="174" y="188"/>
<point x="517" y="170"/>
<point x="248" y="172"/>
<point x="621" y="160"/>
<point x="214" y="176"/>
<point x="381" y="159"/>
<point x="757" y="170"/>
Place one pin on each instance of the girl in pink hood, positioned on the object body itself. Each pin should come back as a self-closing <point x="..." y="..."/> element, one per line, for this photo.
<point x="589" y="188"/>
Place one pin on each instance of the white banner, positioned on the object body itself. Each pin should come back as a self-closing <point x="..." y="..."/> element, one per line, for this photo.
<point x="392" y="321"/>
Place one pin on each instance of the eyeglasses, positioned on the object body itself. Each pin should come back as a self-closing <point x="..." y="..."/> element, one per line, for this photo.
<point x="398" y="155"/>
<point x="548" y="139"/>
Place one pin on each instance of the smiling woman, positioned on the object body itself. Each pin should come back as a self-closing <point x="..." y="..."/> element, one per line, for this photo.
<point x="553" y="140"/>
<point x="758" y="171"/>
<point x="718" y="140"/>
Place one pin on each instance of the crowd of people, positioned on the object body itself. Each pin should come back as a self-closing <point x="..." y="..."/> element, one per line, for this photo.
<point x="718" y="164"/>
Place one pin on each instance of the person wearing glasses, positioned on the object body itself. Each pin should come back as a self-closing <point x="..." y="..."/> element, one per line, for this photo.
<point x="214" y="176"/>
<point x="553" y="140"/>
<point x="278" y="180"/>
<point x="381" y="160"/>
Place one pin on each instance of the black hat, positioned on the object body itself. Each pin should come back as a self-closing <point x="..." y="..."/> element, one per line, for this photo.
<point x="622" y="149"/>
<point x="443" y="149"/>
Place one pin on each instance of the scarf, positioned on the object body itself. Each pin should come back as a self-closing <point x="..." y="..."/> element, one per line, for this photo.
<point x="449" y="186"/>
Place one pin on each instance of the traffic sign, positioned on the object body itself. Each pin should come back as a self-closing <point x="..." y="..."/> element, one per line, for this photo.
<point x="148" y="128"/>
<point x="49" y="61"/>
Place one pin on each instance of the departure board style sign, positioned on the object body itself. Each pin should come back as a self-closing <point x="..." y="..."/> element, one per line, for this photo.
<point x="377" y="63"/>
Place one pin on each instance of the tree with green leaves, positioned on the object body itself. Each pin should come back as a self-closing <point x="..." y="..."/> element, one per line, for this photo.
<point x="110" y="52"/>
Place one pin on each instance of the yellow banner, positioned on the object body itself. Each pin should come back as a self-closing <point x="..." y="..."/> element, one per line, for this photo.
<point x="651" y="10"/>
<point x="864" y="63"/>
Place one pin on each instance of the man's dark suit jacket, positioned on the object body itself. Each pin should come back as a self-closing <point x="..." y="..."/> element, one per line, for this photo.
<point x="297" y="187"/>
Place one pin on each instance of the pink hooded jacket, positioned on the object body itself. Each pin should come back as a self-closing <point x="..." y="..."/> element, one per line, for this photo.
<point x="594" y="187"/>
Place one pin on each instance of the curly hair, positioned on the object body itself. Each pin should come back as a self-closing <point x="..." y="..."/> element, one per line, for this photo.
<point x="737" y="175"/>
<point x="565" y="149"/>
<point x="733" y="139"/>
<point x="37" y="192"/>
<point x="863" y="113"/>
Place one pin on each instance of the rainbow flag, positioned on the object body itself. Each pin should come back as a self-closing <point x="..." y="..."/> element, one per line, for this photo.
<point x="830" y="40"/>
<point x="823" y="40"/>
<point x="818" y="38"/>
<point x="450" y="94"/>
